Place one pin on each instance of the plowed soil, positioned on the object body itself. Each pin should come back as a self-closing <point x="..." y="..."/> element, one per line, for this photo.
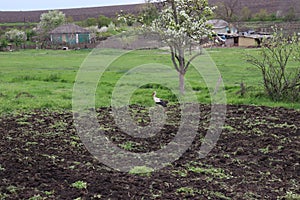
<point x="257" y="157"/>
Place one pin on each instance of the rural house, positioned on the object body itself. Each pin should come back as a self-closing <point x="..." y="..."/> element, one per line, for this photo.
<point x="221" y="27"/>
<point x="225" y="34"/>
<point x="70" y="34"/>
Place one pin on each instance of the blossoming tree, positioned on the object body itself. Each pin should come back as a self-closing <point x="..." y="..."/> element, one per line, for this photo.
<point x="49" y="21"/>
<point x="16" y="36"/>
<point x="180" y="24"/>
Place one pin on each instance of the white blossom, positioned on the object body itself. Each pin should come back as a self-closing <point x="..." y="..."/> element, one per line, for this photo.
<point x="16" y="36"/>
<point x="181" y="23"/>
<point x="190" y="23"/>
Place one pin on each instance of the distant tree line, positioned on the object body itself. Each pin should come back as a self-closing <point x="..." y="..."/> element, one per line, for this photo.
<point x="231" y="10"/>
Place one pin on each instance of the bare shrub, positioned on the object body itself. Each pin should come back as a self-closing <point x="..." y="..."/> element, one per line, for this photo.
<point x="280" y="81"/>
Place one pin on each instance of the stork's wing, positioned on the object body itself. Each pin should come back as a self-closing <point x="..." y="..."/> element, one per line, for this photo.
<point x="162" y="103"/>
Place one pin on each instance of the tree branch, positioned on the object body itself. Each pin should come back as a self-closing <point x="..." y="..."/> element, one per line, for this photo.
<point x="174" y="11"/>
<point x="191" y="60"/>
<point x="174" y="57"/>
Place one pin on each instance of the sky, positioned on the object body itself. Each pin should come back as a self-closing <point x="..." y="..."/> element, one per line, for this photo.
<point x="24" y="5"/>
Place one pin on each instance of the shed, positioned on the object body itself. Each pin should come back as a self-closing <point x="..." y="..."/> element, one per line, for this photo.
<point x="70" y="34"/>
<point x="245" y="41"/>
<point x="253" y="40"/>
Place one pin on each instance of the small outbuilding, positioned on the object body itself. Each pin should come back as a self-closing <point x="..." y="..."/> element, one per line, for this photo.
<point x="253" y="40"/>
<point x="70" y="34"/>
<point x="248" y="41"/>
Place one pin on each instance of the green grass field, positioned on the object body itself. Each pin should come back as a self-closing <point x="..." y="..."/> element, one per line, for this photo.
<point x="39" y="79"/>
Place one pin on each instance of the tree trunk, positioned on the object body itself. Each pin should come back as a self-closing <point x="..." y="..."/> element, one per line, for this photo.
<point x="181" y="83"/>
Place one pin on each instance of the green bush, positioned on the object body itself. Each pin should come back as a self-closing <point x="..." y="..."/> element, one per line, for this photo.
<point x="246" y="14"/>
<point x="290" y="16"/>
<point x="30" y="34"/>
<point x="262" y="15"/>
<point x="91" y="22"/>
<point x="103" y="21"/>
<point x="3" y="43"/>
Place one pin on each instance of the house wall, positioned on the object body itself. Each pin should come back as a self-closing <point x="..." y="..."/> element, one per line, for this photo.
<point x="84" y="38"/>
<point x="70" y="38"/>
<point x="229" y="42"/>
<point x="247" y="42"/>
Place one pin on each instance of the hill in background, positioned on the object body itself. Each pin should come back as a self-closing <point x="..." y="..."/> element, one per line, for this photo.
<point x="78" y="14"/>
<point x="278" y="7"/>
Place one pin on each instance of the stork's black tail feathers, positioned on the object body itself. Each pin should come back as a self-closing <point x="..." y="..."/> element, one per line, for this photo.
<point x="162" y="103"/>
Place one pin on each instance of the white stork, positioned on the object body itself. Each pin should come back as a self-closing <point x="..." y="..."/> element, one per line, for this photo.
<point x="158" y="100"/>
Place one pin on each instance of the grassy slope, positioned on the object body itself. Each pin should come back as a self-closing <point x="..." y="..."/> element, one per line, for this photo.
<point x="49" y="77"/>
